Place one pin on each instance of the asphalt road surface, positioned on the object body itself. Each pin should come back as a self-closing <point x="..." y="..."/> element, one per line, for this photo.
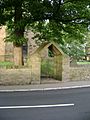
<point x="71" y="104"/>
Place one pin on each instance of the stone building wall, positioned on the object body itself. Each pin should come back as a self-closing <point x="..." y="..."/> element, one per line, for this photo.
<point x="2" y="43"/>
<point x="6" y="48"/>
<point x="9" y="51"/>
<point x="32" y="46"/>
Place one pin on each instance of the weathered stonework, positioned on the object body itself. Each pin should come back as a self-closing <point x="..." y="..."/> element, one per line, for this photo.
<point x="34" y="65"/>
<point x="14" y="76"/>
<point x="61" y="62"/>
<point x="6" y="48"/>
<point x="31" y="43"/>
<point x="2" y="43"/>
<point x="66" y="68"/>
<point x="80" y="73"/>
<point x="63" y="71"/>
<point x="9" y="51"/>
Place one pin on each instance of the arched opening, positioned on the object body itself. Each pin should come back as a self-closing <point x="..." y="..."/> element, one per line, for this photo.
<point x="51" y="65"/>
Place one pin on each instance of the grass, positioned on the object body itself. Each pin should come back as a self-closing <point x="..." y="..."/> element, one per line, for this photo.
<point x="6" y="64"/>
<point x="83" y="63"/>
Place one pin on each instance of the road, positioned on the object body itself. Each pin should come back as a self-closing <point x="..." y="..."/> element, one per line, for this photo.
<point x="71" y="104"/>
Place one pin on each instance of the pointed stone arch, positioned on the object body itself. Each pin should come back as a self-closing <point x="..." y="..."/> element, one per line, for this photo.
<point x="61" y="62"/>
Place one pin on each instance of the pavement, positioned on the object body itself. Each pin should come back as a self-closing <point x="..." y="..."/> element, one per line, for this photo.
<point x="48" y="86"/>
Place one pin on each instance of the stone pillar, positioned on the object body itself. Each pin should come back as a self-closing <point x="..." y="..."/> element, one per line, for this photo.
<point x="65" y="68"/>
<point x="9" y="52"/>
<point x="35" y="65"/>
<point x="58" y="67"/>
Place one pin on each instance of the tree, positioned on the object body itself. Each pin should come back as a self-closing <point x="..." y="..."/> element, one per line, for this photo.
<point x="67" y="25"/>
<point x="56" y="20"/>
<point x="13" y="18"/>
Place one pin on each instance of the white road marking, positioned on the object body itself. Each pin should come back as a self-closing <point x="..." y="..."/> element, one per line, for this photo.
<point x="36" y="106"/>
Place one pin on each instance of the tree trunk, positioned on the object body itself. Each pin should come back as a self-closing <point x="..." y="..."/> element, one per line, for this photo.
<point x="19" y="33"/>
<point x="18" y="61"/>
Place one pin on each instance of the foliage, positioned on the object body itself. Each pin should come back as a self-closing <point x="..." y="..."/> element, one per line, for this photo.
<point x="17" y="40"/>
<point x="75" y="50"/>
<point x="62" y="21"/>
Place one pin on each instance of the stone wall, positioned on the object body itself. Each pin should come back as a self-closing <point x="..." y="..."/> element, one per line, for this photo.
<point x="80" y="73"/>
<point x="15" y="76"/>
<point x="24" y="77"/>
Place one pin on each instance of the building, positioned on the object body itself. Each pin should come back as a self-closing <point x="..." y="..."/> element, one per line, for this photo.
<point x="6" y="48"/>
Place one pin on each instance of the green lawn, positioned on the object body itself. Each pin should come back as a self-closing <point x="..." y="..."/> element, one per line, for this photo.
<point x="83" y="63"/>
<point x="6" y="64"/>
